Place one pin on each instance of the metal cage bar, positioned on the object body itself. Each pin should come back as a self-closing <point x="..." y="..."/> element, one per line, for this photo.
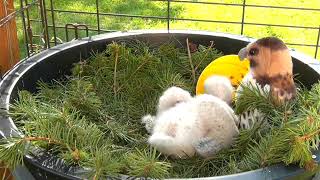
<point x="168" y="15"/>
<point x="235" y="4"/>
<point x="98" y="15"/>
<point x="168" y="18"/>
<point x="243" y="14"/>
<point x="317" y="45"/>
<point x="53" y="23"/>
<point x="24" y="27"/>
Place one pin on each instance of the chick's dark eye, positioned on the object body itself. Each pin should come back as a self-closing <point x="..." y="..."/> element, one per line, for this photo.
<point x="253" y="52"/>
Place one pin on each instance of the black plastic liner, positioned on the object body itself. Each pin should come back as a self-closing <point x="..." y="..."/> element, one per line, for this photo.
<point x="56" y="62"/>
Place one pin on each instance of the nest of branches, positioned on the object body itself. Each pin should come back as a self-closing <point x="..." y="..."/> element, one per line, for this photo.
<point x="92" y="118"/>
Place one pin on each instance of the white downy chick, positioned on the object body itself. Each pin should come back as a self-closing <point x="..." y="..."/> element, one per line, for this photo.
<point x="219" y="86"/>
<point x="168" y="99"/>
<point x="171" y="132"/>
<point x="171" y="97"/>
<point x="204" y="125"/>
<point x="148" y="121"/>
<point x="217" y="124"/>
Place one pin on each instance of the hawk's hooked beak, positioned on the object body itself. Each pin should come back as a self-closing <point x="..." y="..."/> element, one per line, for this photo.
<point x="243" y="53"/>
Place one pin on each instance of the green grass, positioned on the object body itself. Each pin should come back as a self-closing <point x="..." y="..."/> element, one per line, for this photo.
<point x="195" y="11"/>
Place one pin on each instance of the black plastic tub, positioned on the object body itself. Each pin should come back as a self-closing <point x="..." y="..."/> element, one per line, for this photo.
<point x="56" y="62"/>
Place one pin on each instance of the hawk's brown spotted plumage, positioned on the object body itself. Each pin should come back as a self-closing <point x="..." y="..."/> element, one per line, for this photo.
<point x="273" y="43"/>
<point x="282" y="86"/>
<point x="271" y="64"/>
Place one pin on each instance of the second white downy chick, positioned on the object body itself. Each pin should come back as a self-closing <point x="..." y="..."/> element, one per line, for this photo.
<point x="204" y="125"/>
<point x="219" y="86"/>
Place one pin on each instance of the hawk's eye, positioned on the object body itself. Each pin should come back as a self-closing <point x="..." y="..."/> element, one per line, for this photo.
<point x="253" y="52"/>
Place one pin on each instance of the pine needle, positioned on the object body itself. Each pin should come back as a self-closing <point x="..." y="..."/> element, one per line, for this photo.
<point x="190" y="61"/>
<point x="115" y="89"/>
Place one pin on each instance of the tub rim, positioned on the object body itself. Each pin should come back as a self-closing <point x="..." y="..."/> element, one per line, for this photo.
<point x="11" y="78"/>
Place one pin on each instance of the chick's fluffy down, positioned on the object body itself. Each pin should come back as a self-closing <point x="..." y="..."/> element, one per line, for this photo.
<point x="219" y="86"/>
<point x="171" y="97"/>
<point x="204" y="125"/>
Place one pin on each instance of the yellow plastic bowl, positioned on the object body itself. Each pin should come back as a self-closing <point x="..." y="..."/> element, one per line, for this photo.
<point x="230" y="66"/>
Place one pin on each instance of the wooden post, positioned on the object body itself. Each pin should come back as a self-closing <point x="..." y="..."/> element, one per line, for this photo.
<point x="5" y="173"/>
<point x="9" y="44"/>
<point x="9" y="54"/>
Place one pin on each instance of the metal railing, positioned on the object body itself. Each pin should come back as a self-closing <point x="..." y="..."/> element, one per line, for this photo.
<point x="50" y="38"/>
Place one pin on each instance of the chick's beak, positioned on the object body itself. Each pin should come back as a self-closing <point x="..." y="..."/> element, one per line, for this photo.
<point x="243" y="53"/>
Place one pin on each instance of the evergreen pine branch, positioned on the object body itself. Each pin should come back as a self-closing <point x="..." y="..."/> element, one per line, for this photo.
<point x="254" y="97"/>
<point x="119" y="132"/>
<point x="104" y="163"/>
<point x="314" y="96"/>
<point x="146" y="163"/>
<point x="306" y="137"/>
<point x="269" y="150"/>
<point x="59" y="125"/>
<point x="299" y="129"/>
<point x="80" y="96"/>
<point x="247" y="138"/>
<point x="12" y="151"/>
<point x="206" y="54"/>
<point x="51" y="93"/>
